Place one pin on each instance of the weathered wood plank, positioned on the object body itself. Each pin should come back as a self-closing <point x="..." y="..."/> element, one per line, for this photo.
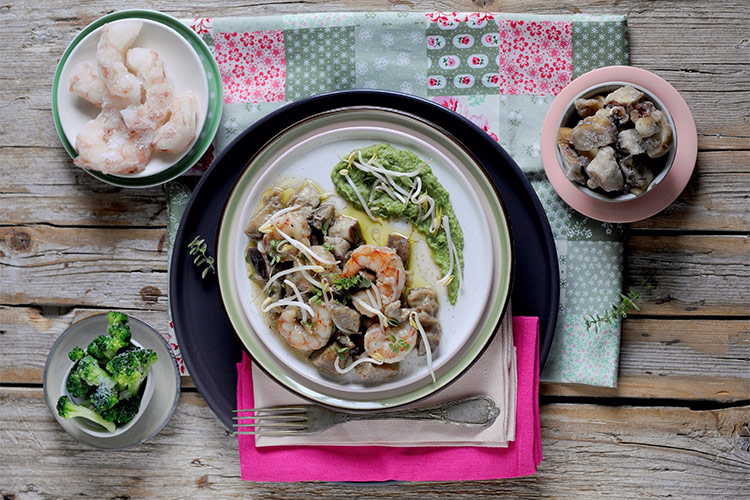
<point x="125" y="268"/>
<point x="659" y="34"/>
<point x="674" y="359"/>
<point x="690" y="274"/>
<point x="716" y="199"/>
<point x="677" y="359"/>
<point x="115" y="268"/>
<point x="599" y="451"/>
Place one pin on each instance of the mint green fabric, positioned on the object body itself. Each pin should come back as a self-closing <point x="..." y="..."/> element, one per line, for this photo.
<point x="501" y="71"/>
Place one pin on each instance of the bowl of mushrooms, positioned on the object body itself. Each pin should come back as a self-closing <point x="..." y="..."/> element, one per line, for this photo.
<point x="615" y="141"/>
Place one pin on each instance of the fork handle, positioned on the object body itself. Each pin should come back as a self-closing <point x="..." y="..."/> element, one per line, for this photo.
<point x="477" y="411"/>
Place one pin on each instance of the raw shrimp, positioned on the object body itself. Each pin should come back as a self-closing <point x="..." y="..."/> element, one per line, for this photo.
<point x="178" y="133"/>
<point x="157" y="87"/>
<point x="87" y="83"/>
<point x="387" y="266"/>
<point x="106" y="144"/>
<point x="306" y="337"/>
<point x="391" y="344"/>
<point x="116" y="38"/>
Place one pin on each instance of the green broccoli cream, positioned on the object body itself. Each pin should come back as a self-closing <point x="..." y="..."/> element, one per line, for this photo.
<point x="385" y="205"/>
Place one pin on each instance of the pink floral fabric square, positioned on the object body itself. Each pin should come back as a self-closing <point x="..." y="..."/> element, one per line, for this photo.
<point x="252" y="65"/>
<point x="536" y="57"/>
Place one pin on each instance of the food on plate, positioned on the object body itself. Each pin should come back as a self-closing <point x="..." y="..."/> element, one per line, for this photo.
<point x="390" y="183"/>
<point x="105" y="383"/>
<point x="334" y="293"/>
<point x="140" y="111"/>
<point x="618" y="143"/>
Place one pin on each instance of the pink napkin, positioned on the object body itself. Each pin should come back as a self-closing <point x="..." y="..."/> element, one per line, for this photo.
<point x="382" y="463"/>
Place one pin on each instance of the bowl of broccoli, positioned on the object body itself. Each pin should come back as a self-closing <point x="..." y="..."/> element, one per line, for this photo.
<point x="101" y="378"/>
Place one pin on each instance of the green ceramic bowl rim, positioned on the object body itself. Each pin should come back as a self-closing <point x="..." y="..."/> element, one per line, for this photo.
<point x="213" y="117"/>
<point x="481" y="342"/>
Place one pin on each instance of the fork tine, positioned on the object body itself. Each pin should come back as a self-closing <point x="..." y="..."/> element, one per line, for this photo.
<point x="293" y="424"/>
<point x="291" y="417"/>
<point x="273" y="409"/>
<point x="269" y="433"/>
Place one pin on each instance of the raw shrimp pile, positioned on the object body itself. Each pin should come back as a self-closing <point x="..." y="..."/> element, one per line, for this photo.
<point x="139" y="109"/>
<point x="333" y="297"/>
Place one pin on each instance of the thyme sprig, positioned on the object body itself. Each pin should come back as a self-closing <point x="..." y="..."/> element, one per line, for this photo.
<point x="198" y="249"/>
<point x="628" y="302"/>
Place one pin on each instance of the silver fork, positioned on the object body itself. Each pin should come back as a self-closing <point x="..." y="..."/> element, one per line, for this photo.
<point x="478" y="411"/>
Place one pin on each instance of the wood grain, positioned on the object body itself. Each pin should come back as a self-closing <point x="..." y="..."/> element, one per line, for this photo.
<point x="673" y="359"/>
<point x="599" y="451"/>
<point x="71" y="246"/>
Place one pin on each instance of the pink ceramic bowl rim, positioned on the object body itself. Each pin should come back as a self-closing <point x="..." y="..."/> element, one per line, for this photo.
<point x="660" y="196"/>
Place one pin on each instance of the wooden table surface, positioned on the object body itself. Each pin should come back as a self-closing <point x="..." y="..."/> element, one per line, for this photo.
<point x="677" y="425"/>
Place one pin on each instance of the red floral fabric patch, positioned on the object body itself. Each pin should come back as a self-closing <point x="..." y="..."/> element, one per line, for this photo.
<point x="252" y="65"/>
<point x="535" y="57"/>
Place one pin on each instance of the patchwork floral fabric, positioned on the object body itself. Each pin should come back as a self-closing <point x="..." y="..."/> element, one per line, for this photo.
<point x="501" y="71"/>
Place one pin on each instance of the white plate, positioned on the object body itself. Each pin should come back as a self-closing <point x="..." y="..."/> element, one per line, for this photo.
<point x="187" y="62"/>
<point x="309" y="151"/>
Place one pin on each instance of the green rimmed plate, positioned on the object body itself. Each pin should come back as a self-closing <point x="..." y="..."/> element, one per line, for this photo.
<point x="188" y="62"/>
<point x="308" y="150"/>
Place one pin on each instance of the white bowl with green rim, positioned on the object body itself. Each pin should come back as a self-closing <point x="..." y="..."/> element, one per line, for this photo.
<point x="309" y="150"/>
<point x="188" y="63"/>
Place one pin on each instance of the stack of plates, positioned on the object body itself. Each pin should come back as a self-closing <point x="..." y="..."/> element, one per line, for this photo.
<point x="489" y="194"/>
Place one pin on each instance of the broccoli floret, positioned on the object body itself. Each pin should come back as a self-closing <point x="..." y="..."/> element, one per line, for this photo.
<point x="105" y="347"/>
<point x="104" y="397"/>
<point x="76" y="354"/>
<point x="77" y="387"/>
<point x="124" y="411"/>
<point x="130" y="368"/>
<point x="67" y="409"/>
<point x="92" y="373"/>
<point x="116" y="318"/>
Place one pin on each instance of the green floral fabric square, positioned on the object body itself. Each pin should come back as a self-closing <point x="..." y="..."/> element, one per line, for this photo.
<point x="521" y="118"/>
<point x="599" y="41"/>
<point x="318" y="60"/>
<point x="391" y="55"/>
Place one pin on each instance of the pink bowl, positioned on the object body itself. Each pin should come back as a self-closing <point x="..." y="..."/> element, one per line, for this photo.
<point x="661" y="194"/>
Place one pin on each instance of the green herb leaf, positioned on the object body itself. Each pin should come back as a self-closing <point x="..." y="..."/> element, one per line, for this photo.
<point x="198" y="248"/>
<point x="326" y="225"/>
<point x="341" y="352"/>
<point x="328" y="246"/>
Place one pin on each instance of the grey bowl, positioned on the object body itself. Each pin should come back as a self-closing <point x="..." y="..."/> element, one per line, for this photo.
<point x="164" y="380"/>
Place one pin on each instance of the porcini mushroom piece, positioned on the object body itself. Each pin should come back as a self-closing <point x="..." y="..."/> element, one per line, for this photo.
<point x="587" y="107"/>
<point x="624" y="96"/>
<point x="641" y="110"/>
<point x="604" y="171"/>
<point x="571" y="164"/>
<point x="630" y="141"/>
<point x="637" y="175"/>
<point x="659" y="143"/>
<point x="594" y="132"/>
<point x="564" y="135"/>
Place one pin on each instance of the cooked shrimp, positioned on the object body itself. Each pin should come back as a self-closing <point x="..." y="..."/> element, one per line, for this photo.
<point x="294" y="224"/>
<point x="306" y="336"/>
<point x="387" y="266"/>
<point x="106" y="144"/>
<point x="157" y="87"/>
<point x="87" y="83"/>
<point x="116" y="38"/>
<point x="178" y="133"/>
<point x="391" y="344"/>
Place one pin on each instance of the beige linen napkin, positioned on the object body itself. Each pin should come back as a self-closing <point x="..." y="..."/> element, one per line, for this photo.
<point x="494" y="374"/>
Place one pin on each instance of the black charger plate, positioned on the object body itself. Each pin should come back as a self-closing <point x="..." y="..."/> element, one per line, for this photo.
<point x="207" y="340"/>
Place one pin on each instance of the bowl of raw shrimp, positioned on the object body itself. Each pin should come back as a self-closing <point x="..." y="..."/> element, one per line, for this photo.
<point x="136" y="98"/>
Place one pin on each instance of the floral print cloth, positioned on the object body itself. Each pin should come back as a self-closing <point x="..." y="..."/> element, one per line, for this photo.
<point x="501" y="71"/>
